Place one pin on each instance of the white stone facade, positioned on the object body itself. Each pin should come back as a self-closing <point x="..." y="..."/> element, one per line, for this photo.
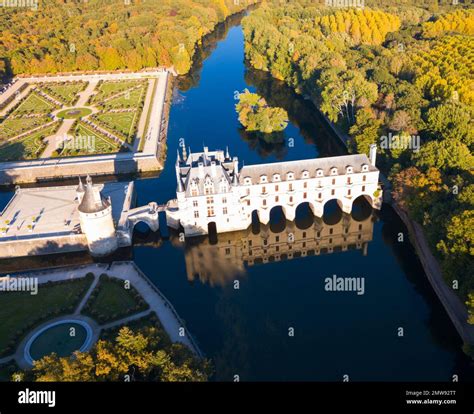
<point x="212" y="191"/>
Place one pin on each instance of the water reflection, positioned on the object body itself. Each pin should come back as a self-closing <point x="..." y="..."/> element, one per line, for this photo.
<point x="221" y="263"/>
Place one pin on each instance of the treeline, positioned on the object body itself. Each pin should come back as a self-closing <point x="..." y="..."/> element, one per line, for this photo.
<point x="64" y="35"/>
<point x="405" y="91"/>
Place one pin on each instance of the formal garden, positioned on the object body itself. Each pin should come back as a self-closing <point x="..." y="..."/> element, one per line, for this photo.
<point x="39" y="121"/>
<point x="113" y="313"/>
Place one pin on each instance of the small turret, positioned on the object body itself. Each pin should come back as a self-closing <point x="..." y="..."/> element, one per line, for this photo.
<point x="80" y="190"/>
<point x="179" y="181"/>
<point x="95" y="216"/>
<point x="227" y="155"/>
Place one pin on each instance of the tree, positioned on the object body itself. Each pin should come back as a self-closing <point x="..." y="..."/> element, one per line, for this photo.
<point x="448" y="154"/>
<point x="459" y="234"/>
<point x="144" y="353"/>
<point x="452" y="120"/>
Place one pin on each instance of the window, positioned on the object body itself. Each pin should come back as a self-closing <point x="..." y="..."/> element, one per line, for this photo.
<point x="363" y="188"/>
<point x="360" y="226"/>
<point x="348" y="180"/>
<point x="277" y="199"/>
<point x="195" y="203"/>
<point x="227" y="251"/>
<point x="333" y="181"/>
<point x="248" y="202"/>
<point x="264" y="190"/>
<point x="210" y="200"/>
<point x="291" y="199"/>
<point x="364" y="177"/>
<point x="208" y="190"/>
<point x="305" y="195"/>
<point x="194" y="192"/>
<point x="277" y="239"/>
<point x="290" y="187"/>
<point x="250" y="243"/>
<point x="276" y="187"/>
<point x="319" y="173"/>
<point x="320" y="195"/>
<point x="248" y="191"/>
<point x="210" y="211"/>
<point x="304" y="235"/>
<point x="333" y="192"/>
<point x="264" y="202"/>
<point x="196" y="214"/>
<point x="331" y="230"/>
<point x="224" y="200"/>
<point x="224" y="210"/>
<point x="305" y="185"/>
<point x="349" y="192"/>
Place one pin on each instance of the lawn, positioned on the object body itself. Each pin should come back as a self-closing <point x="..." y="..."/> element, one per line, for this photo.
<point x="27" y="148"/>
<point x="122" y="122"/>
<point x="65" y="92"/>
<point x="21" y="311"/>
<point x="110" y="300"/>
<point x="74" y="113"/>
<point x="132" y="99"/>
<point x="12" y="127"/>
<point x="109" y="88"/>
<point x="97" y="143"/>
<point x="34" y="104"/>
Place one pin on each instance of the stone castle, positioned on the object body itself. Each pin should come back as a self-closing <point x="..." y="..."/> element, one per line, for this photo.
<point x="214" y="194"/>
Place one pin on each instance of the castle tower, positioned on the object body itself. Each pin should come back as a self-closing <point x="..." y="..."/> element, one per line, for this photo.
<point x="95" y="215"/>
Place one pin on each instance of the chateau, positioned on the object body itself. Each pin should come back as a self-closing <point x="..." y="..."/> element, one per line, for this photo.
<point x="214" y="194"/>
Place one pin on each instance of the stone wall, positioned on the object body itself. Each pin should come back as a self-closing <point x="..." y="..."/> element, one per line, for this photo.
<point x="43" y="246"/>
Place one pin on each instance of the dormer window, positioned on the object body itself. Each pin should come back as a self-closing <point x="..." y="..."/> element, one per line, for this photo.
<point x="263" y="179"/>
<point x="319" y="172"/>
<point x="305" y="174"/>
<point x="290" y="176"/>
<point x="333" y="171"/>
<point x="247" y="181"/>
<point x="365" y="167"/>
<point x="276" y="177"/>
<point x="349" y="169"/>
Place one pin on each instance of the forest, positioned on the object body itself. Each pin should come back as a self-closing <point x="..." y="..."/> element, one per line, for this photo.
<point x="401" y="71"/>
<point x="72" y="35"/>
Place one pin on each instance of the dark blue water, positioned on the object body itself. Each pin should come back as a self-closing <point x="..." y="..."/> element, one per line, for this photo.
<point x="246" y="331"/>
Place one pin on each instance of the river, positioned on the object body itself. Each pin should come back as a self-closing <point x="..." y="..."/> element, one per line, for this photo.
<point x="264" y="319"/>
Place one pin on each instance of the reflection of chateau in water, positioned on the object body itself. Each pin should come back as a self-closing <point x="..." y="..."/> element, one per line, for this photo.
<point x="221" y="262"/>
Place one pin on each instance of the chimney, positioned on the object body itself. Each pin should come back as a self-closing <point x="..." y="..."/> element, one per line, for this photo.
<point x="201" y="169"/>
<point x="373" y="153"/>
<point x="213" y="168"/>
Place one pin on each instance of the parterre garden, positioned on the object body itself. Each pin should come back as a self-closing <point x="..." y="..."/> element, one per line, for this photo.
<point x="111" y="300"/>
<point x="107" y="120"/>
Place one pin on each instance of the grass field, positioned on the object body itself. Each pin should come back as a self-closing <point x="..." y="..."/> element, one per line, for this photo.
<point x="66" y="92"/>
<point x="12" y="127"/>
<point x="111" y="300"/>
<point x="20" y="311"/>
<point x="128" y="100"/>
<point x="27" y="148"/>
<point x="110" y="88"/>
<point x="99" y="143"/>
<point x="34" y="104"/>
<point x="74" y="113"/>
<point x="122" y="122"/>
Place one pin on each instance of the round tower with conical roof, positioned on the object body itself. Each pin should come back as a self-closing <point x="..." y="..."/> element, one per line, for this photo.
<point x="95" y="215"/>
